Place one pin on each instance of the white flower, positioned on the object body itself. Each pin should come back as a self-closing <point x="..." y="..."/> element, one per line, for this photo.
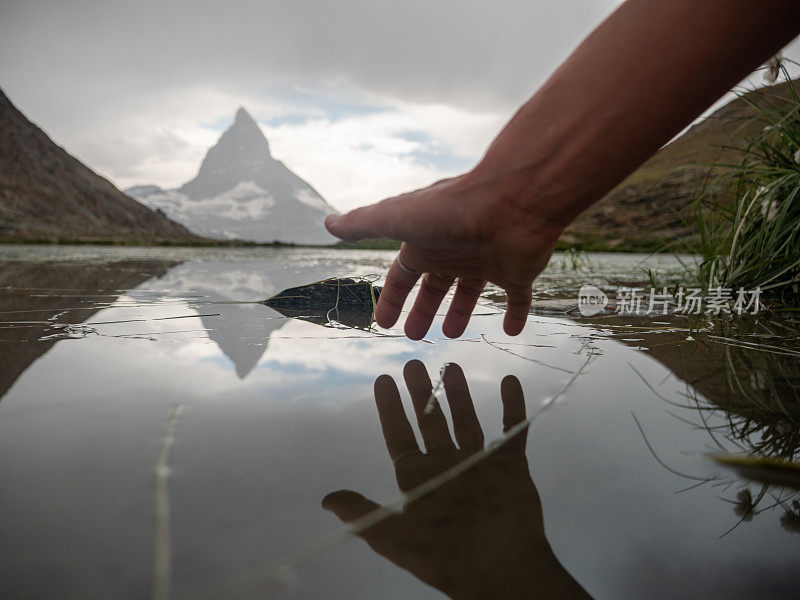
<point x="797" y="157"/>
<point x="769" y="209"/>
<point x="773" y="66"/>
<point x="758" y="380"/>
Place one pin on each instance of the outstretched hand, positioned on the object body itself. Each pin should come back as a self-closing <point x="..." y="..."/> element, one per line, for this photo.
<point x="457" y="230"/>
<point x="597" y="118"/>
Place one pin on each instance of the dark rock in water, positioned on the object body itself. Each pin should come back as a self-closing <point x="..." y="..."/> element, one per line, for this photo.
<point x="323" y="296"/>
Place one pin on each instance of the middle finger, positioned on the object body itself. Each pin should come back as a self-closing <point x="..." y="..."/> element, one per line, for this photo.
<point x="432" y="424"/>
<point x="431" y="293"/>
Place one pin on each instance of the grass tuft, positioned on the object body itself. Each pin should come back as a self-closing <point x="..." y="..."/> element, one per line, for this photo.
<point x="753" y="241"/>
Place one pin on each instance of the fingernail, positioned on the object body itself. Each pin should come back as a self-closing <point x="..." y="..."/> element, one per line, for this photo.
<point x="331" y="220"/>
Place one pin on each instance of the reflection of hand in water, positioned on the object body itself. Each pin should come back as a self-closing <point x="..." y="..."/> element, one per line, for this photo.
<point x="481" y="534"/>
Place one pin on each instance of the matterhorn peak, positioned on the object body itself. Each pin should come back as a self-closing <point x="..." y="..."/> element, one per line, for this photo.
<point x="245" y="130"/>
<point x="242" y="192"/>
<point x="241" y="154"/>
<point x="243" y="116"/>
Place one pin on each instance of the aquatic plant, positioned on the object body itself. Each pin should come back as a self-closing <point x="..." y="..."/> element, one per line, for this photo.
<point x="753" y="239"/>
<point x="575" y="259"/>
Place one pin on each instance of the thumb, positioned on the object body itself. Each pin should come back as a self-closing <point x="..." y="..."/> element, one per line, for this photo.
<point x="348" y="505"/>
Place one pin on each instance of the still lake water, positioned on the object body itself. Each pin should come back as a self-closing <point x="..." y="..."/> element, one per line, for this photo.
<point x="163" y="434"/>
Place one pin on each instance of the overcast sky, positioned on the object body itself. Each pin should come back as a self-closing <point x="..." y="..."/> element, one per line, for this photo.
<point x="363" y="99"/>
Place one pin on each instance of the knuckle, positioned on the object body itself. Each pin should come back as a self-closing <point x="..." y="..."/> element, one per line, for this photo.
<point x="470" y="288"/>
<point x="393" y="287"/>
<point x="438" y="284"/>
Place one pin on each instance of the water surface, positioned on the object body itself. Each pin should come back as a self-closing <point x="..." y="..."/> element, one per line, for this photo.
<point x="163" y="433"/>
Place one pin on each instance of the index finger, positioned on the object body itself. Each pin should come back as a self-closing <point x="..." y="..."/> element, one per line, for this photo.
<point x="466" y="426"/>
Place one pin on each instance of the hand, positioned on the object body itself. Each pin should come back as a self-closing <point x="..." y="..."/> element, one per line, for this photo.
<point x="597" y="118"/>
<point x="462" y="229"/>
<point x="482" y="531"/>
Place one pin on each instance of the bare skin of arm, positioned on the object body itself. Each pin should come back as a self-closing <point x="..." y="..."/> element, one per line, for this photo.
<point x="634" y="83"/>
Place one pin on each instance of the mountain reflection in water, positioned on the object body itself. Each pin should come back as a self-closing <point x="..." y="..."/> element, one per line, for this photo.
<point x="43" y="299"/>
<point x="279" y="413"/>
<point x="233" y="289"/>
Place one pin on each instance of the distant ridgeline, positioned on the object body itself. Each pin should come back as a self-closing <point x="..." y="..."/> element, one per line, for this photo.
<point x="242" y="192"/>
<point x="47" y="195"/>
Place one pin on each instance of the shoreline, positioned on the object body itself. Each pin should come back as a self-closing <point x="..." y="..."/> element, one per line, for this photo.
<point x="589" y="245"/>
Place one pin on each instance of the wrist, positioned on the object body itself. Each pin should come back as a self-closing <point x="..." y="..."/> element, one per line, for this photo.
<point x="525" y="198"/>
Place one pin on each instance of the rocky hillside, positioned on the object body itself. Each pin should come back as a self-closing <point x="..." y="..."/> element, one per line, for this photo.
<point x="48" y="195"/>
<point x="653" y="206"/>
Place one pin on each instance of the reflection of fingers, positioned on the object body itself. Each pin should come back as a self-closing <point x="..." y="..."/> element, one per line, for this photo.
<point x="466" y="297"/>
<point x="518" y="305"/>
<point x="397" y="432"/>
<point x="433" y="425"/>
<point x="399" y="282"/>
<point x="430" y="295"/>
<point x="348" y="505"/>
<point x="466" y="427"/>
<point x="513" y="407"/>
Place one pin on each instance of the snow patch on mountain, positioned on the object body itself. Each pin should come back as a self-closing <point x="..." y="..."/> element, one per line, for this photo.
<point x="309" y="198"/>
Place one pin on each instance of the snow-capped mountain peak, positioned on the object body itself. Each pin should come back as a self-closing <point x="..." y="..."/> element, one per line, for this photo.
<point x="242" y="192"/>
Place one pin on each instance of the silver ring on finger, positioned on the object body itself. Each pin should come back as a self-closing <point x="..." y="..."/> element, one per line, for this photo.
<point x="405" y="269"/>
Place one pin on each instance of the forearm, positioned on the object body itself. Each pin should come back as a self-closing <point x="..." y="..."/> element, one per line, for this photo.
<point x="634" y="83"/>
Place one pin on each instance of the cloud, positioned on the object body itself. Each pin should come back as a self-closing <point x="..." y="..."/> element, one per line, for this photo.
<point x="363" y="99"/>
<point x="468" y="53"/>
<point x="364" y="158"/>
<point x="140" y="90"/>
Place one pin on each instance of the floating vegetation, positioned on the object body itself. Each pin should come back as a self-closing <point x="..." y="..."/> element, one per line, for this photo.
<point x="762" y="468"/>
<point x="162" y="563"/>
<point x="67" y="331"/>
